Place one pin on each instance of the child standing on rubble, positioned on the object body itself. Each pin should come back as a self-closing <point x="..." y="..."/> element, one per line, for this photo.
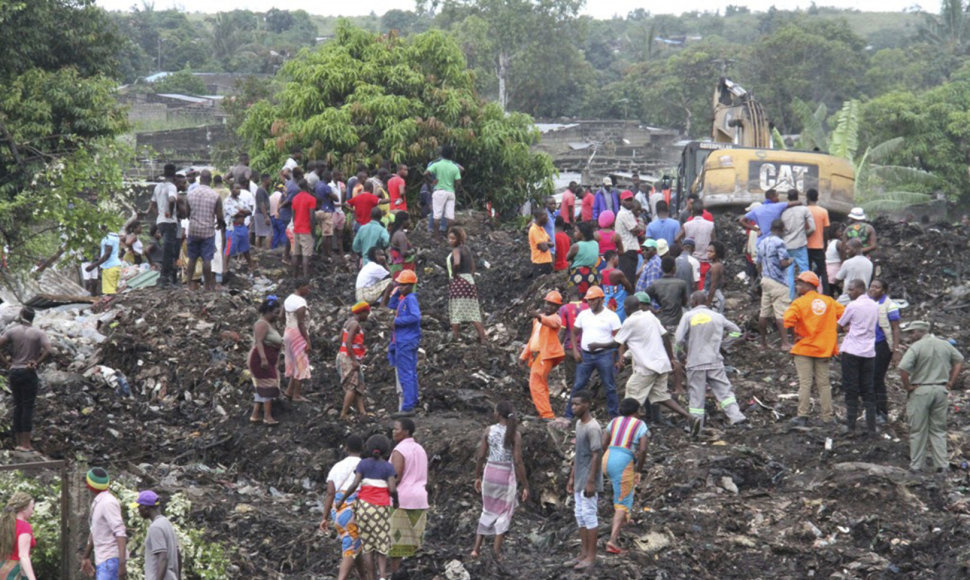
<point x="378" y="483"/>
<point x="351" y="355"/>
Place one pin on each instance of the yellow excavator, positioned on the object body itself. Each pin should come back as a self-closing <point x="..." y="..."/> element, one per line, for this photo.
<point x="739" y="164"/>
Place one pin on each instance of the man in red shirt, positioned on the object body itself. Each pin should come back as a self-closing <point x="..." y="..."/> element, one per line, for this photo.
<point x="396" y="189"/>
<point x="362" y="204"/>
<point x="304" y="205"/>
<point x="568" y="204"/>
<point x="586" y="212"/>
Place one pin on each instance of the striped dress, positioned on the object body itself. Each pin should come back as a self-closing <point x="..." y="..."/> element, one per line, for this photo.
<point x="499" y="486"/>
<point x="618" y="461"/>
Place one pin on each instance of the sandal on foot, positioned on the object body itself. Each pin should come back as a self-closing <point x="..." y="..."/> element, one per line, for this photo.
<point x="271" y="423"/>
<point x="611" y="549"/>
<point x="254" y="419"/>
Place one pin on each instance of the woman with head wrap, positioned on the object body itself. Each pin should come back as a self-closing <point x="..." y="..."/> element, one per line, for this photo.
<point x="17" y="538"/>
<point x="607" y="238"/>
<point x="263" y="361"/>
<point x="351" y="354"/>
<point x="497" y="478"/>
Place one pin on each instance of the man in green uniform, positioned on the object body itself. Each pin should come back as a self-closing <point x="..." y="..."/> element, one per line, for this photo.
<point x="928" y="370"/>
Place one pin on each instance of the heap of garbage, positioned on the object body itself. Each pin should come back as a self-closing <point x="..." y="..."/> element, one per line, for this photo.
<point x="154" y="386"/>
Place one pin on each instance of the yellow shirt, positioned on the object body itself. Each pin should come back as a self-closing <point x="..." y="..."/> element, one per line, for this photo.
<point x="538" y="235"/>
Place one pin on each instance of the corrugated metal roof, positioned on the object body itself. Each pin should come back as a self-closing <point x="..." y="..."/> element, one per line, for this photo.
<point x="52" y="288"/>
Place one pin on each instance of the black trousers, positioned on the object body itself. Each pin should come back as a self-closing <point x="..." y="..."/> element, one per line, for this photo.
<point x="23" y="385"/>
<point x="884" y="355"/>
<point x="541" y="269"/>
<point x="816" y="263"/>
<point x="628" y="265"/>
<point x="857" y="374"/>
<point x="170" y="252"/>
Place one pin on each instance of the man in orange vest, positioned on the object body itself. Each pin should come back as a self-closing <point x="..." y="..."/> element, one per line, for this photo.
<point x="543" y="352"/>
<point x="814" y="318"/>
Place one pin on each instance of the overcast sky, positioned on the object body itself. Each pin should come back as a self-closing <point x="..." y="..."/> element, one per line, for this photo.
<point x="595" y="8"/>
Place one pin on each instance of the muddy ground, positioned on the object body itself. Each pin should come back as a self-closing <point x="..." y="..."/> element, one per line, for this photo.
<point x="766" y="502"/>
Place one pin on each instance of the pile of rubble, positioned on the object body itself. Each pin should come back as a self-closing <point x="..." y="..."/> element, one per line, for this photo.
<point x="798" y="501"/>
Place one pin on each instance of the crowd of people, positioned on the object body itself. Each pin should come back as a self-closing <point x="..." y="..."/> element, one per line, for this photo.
<point x="637" y="283"/>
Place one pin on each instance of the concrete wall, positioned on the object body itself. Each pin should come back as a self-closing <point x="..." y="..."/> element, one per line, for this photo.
<point x="195" y="144"/>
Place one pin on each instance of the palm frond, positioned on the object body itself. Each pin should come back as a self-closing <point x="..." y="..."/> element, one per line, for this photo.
<point x="845" y="138"/>
<point x="883" y="150"/>
<point x="777" y="139"/>
<point x="897" y="174"/>
<point x="893" y="201"/>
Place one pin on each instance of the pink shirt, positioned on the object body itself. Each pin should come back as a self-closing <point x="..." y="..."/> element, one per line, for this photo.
<point x="567" y="206"/>
<point x="411" y="491"/>
<point x="106" y="525"/>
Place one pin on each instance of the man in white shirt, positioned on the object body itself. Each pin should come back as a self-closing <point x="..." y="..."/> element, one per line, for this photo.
<point x="628" y="229"/>
<point x="857" y="267"/>
<point x="598" y="325"/>
<point x="165" y="197"/>
<point x="648" y="342"/>
<point x="374" y="280"/>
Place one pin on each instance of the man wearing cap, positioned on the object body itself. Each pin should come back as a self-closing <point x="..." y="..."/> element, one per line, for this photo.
<point x="543" y="352"/>
<point x="814" y="318"/>
<point x="162" y="558"/>
<point x="402" y="352"/>
<point x="857" y="266"/>
<point x="928" y="370"/>
<point x="663" y="227"/>
<point x="653" y="358"/>
<point x="540" y="243"/>
<point x="701" y="331"/>
<point x="799" y="223"/>
<point x="627" y="226"/>
<point x="859" y="322"/>
<point x="351" y="354"/>
<point x="607" y="198"/>
<point x="702" y="232"/>
<point x="858" y="229"/>
<point x="599" y="325"/>
<point x="651" y="266"/>
<point x="772" y="260"/>
<point x="108" y="538"/>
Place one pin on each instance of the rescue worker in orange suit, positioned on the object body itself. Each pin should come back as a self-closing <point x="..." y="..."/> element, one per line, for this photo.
<point x="543" y="352"/>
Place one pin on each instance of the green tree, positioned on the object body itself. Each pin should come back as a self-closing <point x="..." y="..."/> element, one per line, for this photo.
<point x="821" y="63"/>
<point x="60" y="167"/>
<point x="182" y="81"/>
<point x="369" y="98"/>
<point x="515" y="26"/>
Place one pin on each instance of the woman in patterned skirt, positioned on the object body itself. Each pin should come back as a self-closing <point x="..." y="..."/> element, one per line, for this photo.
<point x="462" y="292"/>
<point x="264" y="359"/>
<point x="498" y="478"/>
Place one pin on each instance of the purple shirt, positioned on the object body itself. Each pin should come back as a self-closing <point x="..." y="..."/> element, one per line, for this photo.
<point x="411" y="491"/>
<point x="862" y="317"/>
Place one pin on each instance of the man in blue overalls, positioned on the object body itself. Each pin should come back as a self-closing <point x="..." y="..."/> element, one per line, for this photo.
<point x="402" y="353"/>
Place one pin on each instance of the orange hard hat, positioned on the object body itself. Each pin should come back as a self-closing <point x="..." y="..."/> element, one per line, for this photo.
<point x="808" y="278"/>
<point x="594" y="292"/>
<point x="407" y="277"/>
<point x="554" y="297"/>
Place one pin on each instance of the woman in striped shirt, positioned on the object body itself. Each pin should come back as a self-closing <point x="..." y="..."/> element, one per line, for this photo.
<point x="625" y="441"/>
